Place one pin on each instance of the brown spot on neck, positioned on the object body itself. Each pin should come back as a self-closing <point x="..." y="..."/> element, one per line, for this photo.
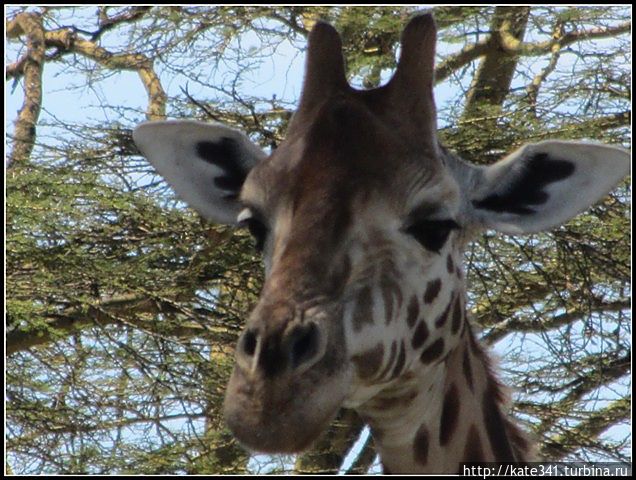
<point x="450" y="415"/>
<point x="420" y="335"/>
<point x="496" y="425"/>
<point x="413" y="311"/>
<point x="433" y="352"/>
<point x="473" y="451"/>
<point x="458" y="314"/>
<point x="441" y="320"/>
<point x="450" y="265"/>
<point x="432" y="290"/>
<point x="421" y="446"/>
<point x="468" y="370"/>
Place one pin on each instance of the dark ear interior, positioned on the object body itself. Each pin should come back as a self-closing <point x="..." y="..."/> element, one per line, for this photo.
<point x="224" y="153"/>
<point x="527" y="189"/>
<point x="205" y="163"/>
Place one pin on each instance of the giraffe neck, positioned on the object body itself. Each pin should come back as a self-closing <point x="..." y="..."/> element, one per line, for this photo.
<point x="433" y="419"/>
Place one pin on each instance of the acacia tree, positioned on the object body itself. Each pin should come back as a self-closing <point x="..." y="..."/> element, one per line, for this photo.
<point x="123" y="307"/>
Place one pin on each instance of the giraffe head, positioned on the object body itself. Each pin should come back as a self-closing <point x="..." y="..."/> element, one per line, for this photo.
<point x="361" y="217"/>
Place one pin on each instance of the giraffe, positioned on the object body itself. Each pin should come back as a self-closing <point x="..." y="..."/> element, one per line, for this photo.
<point x="362" y="217"/>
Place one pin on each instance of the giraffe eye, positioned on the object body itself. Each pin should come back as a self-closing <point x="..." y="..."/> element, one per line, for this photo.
<point x="256" y="227"/>
<point x="432" y="234"/>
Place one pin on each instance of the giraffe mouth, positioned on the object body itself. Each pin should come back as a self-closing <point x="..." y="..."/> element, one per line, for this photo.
<point x="284" y="434"/>
<point x="282" y="415"/>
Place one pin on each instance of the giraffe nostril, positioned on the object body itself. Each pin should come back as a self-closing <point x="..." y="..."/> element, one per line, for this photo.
<point x="248" y="343"/>
<point x="304" y="344"/>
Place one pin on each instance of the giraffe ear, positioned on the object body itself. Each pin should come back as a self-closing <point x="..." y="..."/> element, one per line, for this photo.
<point x="543" y="185"/>
<point x="206" y="164"/>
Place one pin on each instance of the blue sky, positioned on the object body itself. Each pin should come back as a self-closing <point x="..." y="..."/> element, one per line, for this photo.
<point x="68" y="96"/>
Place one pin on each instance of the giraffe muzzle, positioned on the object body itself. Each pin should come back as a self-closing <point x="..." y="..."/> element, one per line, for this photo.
<point x="290" y="376"/>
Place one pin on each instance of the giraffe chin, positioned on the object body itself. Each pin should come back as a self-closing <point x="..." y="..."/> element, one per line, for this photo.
<point x="286" y="417"/>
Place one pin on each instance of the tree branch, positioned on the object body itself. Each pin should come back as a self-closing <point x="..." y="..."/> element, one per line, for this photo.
<point x="122" y="310"/>
<point x="603" y="372"/>
<point x="533" y="88"/>
<point x="541" y="48"/>
<point x="494" y="75"/>
<point x="454" y="62"/>
<point x="528" y="325"/>
<point x="31" y="66"/>
<point x="584" y="433"/>
<point x="67" y="40"/>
